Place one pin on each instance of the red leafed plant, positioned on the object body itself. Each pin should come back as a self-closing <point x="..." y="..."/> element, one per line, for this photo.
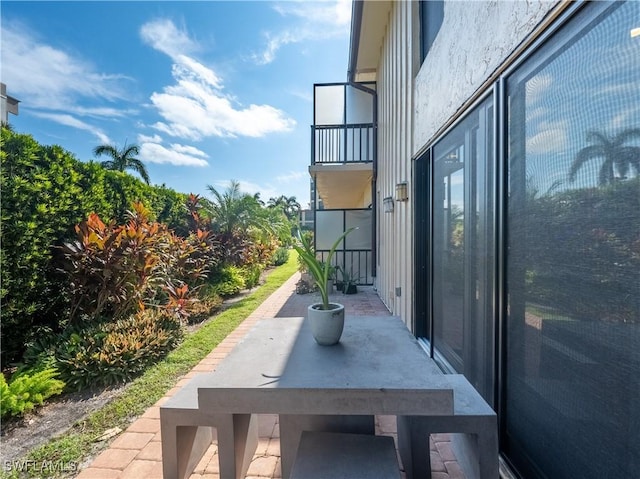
<point x="115" y="270"/>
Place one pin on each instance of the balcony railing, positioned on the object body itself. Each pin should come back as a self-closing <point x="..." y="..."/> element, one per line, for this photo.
<point x="355" y="254"/>
<point x="346" y="143"/>
<point x="356" y="262"/>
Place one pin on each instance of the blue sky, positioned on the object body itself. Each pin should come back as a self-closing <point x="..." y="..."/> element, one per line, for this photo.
<point x="211" y="91"/>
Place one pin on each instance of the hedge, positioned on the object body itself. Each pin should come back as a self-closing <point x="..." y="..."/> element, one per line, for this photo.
<point x="45" y="192"/>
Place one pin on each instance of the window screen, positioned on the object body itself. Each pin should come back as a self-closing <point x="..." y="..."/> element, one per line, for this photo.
<point x="573" y="257"/>
<point x="463" y="248"/>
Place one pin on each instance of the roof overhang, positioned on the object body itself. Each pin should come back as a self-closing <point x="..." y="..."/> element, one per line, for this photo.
<point x="368" y="26"/>
<point x="343" y="186"/>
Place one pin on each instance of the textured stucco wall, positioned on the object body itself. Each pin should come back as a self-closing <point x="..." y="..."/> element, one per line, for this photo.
<point x="474" y="40"/>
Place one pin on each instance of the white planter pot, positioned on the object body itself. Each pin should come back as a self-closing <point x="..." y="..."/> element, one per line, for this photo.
<point x="326" y="324"/>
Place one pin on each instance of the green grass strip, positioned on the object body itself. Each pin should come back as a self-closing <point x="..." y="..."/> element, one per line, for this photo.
<point x="79" y="443"/>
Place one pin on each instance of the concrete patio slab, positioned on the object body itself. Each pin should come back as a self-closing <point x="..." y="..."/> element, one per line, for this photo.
<point x="135" y="452"/>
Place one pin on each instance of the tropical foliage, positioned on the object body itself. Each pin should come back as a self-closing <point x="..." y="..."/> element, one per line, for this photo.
<point x="281" y="256"/>
<point x="119" y="269"/>
<point x="319" y="270"/>
<point x="113" y="352"/>
<point x="229" y="281"/>
<point x="248" y="233"/>
<point x="606" y="248"/>
<point x="232" y="211"/>
<point x="45" y="192"/>
<point x="288" y="204"/>
<point x="616" y="155"/>
<point x="100" y="272"/>
<point x="25" y="391"/>
<point x="122" y="159"/>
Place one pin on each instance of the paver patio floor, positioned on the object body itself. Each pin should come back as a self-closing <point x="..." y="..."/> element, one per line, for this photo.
<point x="136" y="453"/>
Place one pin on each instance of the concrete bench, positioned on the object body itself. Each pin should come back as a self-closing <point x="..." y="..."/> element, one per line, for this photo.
<point x="476" y="447"/>
<point x="188" y="432"/>
<point x="323" y="455"/>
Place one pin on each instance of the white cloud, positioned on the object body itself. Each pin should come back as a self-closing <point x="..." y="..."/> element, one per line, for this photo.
<point x="551" y="138"/>
<point x="102" y="112"/>
<point x="196" y="106"/>
<point x="293" y="176"/>
<point x="330" y="12"/>
<point x="626" y="118"/>
<point x="191" y="69"/>
<point x="163" y="35"/>
<point x="303" y="95"/>
<point x="152" y="151"/>
<point x="44" y="76"/>
<point x="149" y="139"/>
<point x="537" y="88"/>
<point x="188" y="150"/>
<point x="266" y="191"/>
<point x="175" y="154"/>
<point x="251" y="188"/>
<point x="275" y="42"/>
<point x="68" y="120"/>
<point x="319" y="20"/>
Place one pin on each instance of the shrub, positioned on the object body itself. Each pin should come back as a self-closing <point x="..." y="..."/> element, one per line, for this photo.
<point x="307" y="237"/>
<point x="38" y="353"/>
<point x="27" y="390"/>
<point x="204" y="308"/>
<point x="260" y="250"/>
<point x="597" y="228"/>
<point x="45" y="191"/>
<point x="113" y="270"/>
<point x="281" y="256"/>
<point x="251" y="275"/>
<point x="114" y="352"/>
<point x="228" y="281"/>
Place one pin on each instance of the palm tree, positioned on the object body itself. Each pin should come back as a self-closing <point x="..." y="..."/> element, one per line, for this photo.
<point x="256" y="196"/>
<point x="616" y="155"/>
<point x="124" y="159"/>
<point x="293" y="207"/>
<point x="289" y="205"/>
<point x="233" y="210"/>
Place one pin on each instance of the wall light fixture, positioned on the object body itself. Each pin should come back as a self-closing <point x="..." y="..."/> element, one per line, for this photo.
<point x="402" y="191"/>
<point x="387" y="204"/>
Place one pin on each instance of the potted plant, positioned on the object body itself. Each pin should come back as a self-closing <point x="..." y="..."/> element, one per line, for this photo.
<point x="325" y="319"/>
<point x="349" y="282"/>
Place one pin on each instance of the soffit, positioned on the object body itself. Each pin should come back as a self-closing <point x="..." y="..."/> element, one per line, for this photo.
<point x="375" y="17"/>
<point x="342" y="186"/>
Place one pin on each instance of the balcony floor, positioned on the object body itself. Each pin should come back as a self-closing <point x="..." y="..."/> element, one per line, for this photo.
<point x="136" y="453"/>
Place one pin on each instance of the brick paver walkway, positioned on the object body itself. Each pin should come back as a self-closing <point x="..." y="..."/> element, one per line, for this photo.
<point x="136" y="453"/>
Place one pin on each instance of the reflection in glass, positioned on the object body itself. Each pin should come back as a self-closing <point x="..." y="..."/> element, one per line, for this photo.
<point x="463" y="248"/>
<point x="573" y="265"/>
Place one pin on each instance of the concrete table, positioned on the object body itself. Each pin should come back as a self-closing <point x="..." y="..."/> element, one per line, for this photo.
<point x="277" y="368"/>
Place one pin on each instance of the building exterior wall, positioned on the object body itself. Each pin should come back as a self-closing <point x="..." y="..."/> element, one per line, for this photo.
<point x="366" y="197"/>
<point x="500" y="309"/>
<point x="395" y="97"/>
<point x="415" y="101"/>
<point x="474" y="40"/>
<point x="8" y="104"/>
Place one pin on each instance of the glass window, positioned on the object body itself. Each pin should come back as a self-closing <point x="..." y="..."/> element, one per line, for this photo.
<point x="573" y="262"/>
<point x="463" y="248"/>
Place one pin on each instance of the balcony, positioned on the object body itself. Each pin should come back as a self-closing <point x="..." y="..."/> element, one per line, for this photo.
<point x="343" y="166"/>
<point x="343" y="151"/>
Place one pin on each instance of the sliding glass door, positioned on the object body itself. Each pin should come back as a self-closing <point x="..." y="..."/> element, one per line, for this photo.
<point x="463" y="247"/>
<point x="572" y="362"/>
<point x="552" y="269"/>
